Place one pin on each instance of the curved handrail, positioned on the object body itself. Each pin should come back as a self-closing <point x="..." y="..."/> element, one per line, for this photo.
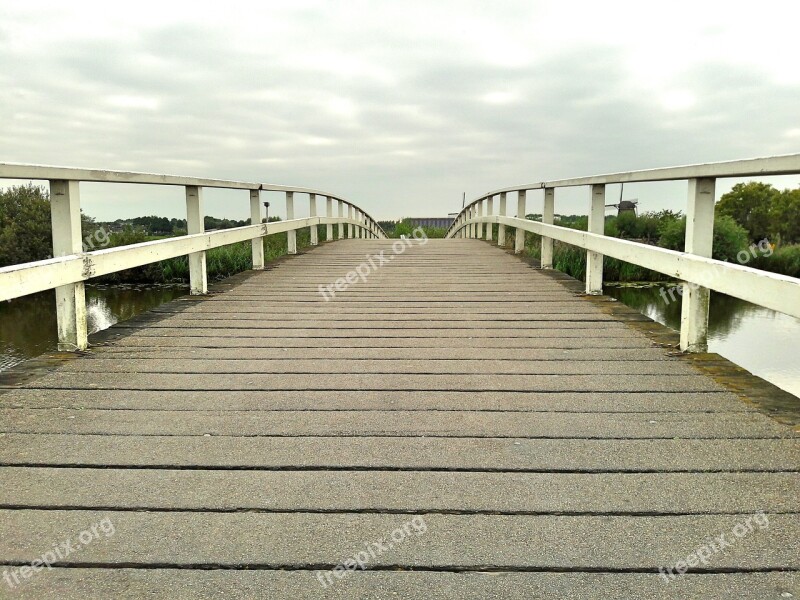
<point x="73" y="264"/>
<point x="695" y="268"/>
<point x="785" y="164"/>
<point x="27" y="171"/>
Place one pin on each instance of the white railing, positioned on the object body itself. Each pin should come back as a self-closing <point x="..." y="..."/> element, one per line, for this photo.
<point x="695" y="268"/>
<point x="71" y="267"/>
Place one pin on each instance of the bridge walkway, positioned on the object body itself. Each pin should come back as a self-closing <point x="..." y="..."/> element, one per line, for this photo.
<point x="457" y="422"/>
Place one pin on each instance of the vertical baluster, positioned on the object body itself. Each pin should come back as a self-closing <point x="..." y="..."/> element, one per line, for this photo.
<point x="291" y="236"/>
<point x="489" y="212"/>
<point x="195" y="223"/>
<point x="519" y="235"/>
<point x="699" y="241"/>
<point x="597" y="222"/>
<point x="548" y="216"/>
<point x="312" y="212"/>
<point x="350" y="227"/>
<point x="329" y="214"/>
<point x="255" y="219"/>
<point x="501" y="229"/>
<point x="65" y="214"/>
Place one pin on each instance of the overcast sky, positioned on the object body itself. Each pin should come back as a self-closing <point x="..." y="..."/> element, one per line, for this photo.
<point x="398" y="106"/>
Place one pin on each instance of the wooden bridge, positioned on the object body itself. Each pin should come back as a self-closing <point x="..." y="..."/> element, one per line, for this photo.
<point x="376" y="418"/>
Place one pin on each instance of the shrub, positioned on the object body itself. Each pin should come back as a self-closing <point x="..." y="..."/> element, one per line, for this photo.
<point x="729" y="237"/>
<point x="25" y="233"/>
<point x="784" y="259"/>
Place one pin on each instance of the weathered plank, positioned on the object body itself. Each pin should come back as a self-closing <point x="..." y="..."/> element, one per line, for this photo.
<point x="261" y="433"/>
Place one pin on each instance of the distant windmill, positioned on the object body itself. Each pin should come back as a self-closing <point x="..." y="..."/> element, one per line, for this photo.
<point x="625" y="205"/>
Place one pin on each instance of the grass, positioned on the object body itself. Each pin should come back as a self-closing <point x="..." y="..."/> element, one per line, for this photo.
<point x="572" y="260"/>
<point x="784" y="260"/>
<point x="221" y="262"/>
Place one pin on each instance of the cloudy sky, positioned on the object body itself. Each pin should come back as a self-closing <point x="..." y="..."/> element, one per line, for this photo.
<point x="398" y="106"/>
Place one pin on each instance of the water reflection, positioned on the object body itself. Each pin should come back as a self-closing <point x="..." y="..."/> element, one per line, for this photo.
<point x="28" y="325"/>
<point x="764" y="342"/>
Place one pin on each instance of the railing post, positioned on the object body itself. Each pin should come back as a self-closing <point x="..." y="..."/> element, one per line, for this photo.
<point x="501" y="229"/>
<point x="291" y="236"/>
<point x="65" y="214"/>
<point x="198" y="279"/>
<point x="699" y="241"/>
<point x="548" y="216"/>
<point x="472" y="225"/>
<point x="341" y="216"/>
<point x="519" y="236"/>
<point x="328" y="213"/>
<point x="479" y="213"/>
<point x="597" y="223"/>
<point x="255" y="219"/>
<point x="312" y="212"/>
<point x="350" y="227"/>
<point x="489" y="212"/>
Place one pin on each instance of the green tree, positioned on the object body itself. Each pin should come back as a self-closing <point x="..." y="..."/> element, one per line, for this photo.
<point x="729" y="237"/>
<point x="786" y="216"/>
<point x="25" y="233"/>
<point x="750" y="205"/>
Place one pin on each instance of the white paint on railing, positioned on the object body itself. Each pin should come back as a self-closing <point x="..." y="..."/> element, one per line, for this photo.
<point x="351" y="225"/>
<point x="771" y="290"/>
<point x="489" y="212"/>
<point x="198" y="280"/>
<point x="65" y="213"/>
<point x="291" y="236"/>
<point x="694" y="266"/>
<point x="699" y="241"/>
<point x="548" y="216"/>
<point x="29" y="278"/>
<point x="312" y="212"/>
<point x="329" y="214"/>
<point x="597" y="221"/>
<point x="71" y="266"/>
<point x="501" y="229"/>
<point x="519" y="235"/>
<point x="255" y="219"/>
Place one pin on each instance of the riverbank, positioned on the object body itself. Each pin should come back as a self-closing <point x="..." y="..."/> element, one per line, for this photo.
<point x="28" y="324"/>
<point x="763" y="341"/>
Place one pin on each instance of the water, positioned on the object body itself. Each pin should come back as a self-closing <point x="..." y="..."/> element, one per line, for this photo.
<point x="764" y="342"/>
<point x="28" y="324"/>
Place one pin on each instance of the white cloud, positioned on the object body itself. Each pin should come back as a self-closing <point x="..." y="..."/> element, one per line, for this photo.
<point x="394" y="104"/>
<point x="135" y="102"/>
<point x="675" y="100"/>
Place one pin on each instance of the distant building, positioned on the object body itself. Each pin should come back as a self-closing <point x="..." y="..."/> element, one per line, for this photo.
<point x="443" y="222"/>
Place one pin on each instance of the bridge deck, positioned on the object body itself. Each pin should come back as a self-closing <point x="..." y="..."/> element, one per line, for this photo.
<point x="522" y="441"/>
